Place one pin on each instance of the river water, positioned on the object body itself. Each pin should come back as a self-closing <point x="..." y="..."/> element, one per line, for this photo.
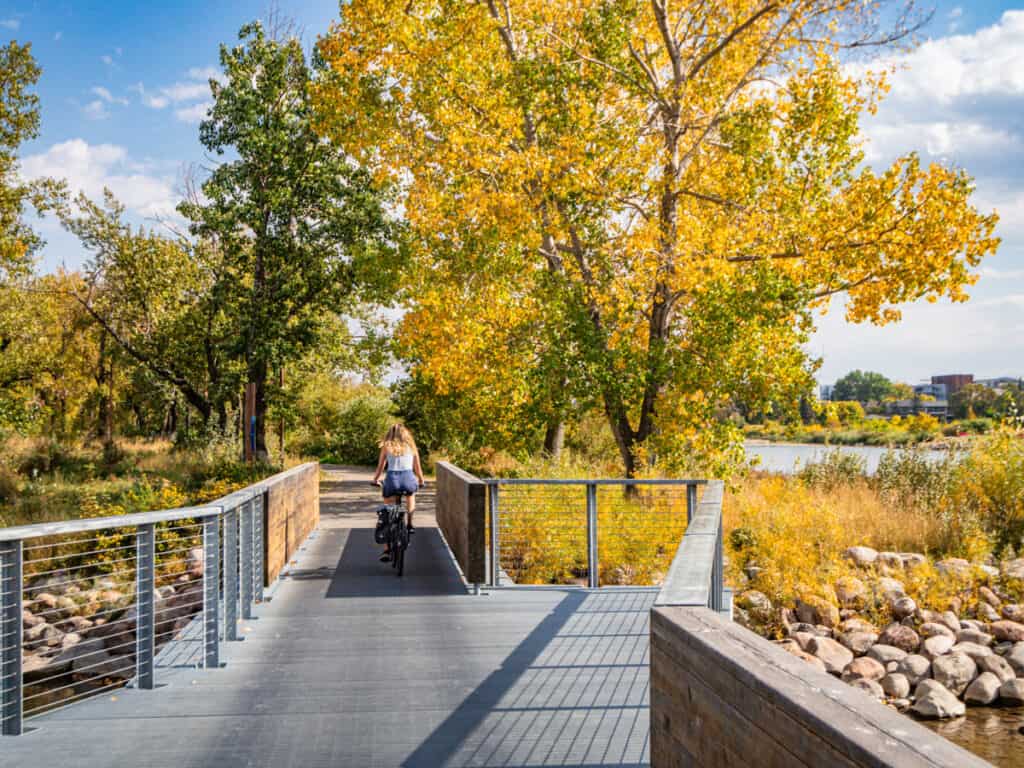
<point x="992" y="733"/>
<point x="785" y="458"/>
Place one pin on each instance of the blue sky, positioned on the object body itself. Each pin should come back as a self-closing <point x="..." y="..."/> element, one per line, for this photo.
<point x="124" y="87"/>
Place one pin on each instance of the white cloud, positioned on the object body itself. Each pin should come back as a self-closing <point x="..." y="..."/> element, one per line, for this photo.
<point x="90" y="168"/>
<point x="106" y="95"/>
<point x="205" y="73"/>
<point x="195" y="88"/>
<point x="957" y="100"/>
<point x="194" y="113"/>
<point x="95" y="110"/>
<point x="12" y="24"/>
<point x="108" y="60"/>
<point x="58" y="35"/>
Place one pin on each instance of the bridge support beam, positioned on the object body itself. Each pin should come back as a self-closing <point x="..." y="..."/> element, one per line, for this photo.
<point x="245" y="549"/>
<point x="593" y="565"/>
<point x="231" y="574"/>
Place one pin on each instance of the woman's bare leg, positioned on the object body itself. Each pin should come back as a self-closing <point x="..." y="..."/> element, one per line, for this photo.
<point x="412" y="507"/>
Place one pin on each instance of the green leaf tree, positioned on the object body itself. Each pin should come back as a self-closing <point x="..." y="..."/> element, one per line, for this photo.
<point x="298" y="224"/>
<point x="862" y="386"/>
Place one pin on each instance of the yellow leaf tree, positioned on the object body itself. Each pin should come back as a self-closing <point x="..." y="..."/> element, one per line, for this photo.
<point x="663" y="193"/>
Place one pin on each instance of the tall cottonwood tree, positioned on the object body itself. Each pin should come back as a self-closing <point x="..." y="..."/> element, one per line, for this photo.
<point x="680" y="185"/>
<point x="296" y="221"/>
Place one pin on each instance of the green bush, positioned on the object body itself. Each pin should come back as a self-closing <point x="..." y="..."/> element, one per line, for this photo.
<point x="836" y="468"/>
<point x="990" y="486"/>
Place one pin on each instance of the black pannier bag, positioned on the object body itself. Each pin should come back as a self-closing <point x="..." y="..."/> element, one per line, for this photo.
<point x="380" y="532"/>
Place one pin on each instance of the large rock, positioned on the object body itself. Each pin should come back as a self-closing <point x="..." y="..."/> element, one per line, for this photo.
<point x="973" y="650"/>
<point x="817" y="611"/>
<point x="998" y="666"/>
<point x="1015" y="657"/>
<point x="1013" y="569"/>
<point x="915" y="668"/>
<point x="858" y="624"/>
<point x="889" y="588"/>
<point x="936" y="646"/>
<point x="850" y="591"/>
<point x="791" y="647"/>
<point x="932" y="700"/>
<point x="832" y="654"/>
<point x="989" y="596"/>
<point x="955" y="671"/>
<point x="913" y="559"/>
<point x="869" y="686"/>
<point x="863" y="667"/>
<point x="901" y="637"/>
<point x="29" y="619"/>
<point x="953" y="566"/>
<point x="886" y="654"/>
<point x="987" y="613"/>
<point x="951" y="621"/>
<point x="194" y="562"/>
<point x="902" y="607"/>
<point x="932" y="628"/>
<point x="984" y="690"/>
<point x="971" y="635"/>
<point x="756" y="604"/>
<point x="1008" y="631"/>
<point x="890" y="559"/>
<point x="1014" y="612"/>
<point x="858" y="642"/>
<point x="896" y="686"/>
<point x="861" y="556"/>
<point x="1012" y="691"/>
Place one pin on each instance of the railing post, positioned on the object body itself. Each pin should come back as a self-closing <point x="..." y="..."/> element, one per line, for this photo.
<point x="492" y="496"/>
<point x="211" y="592"/>
<point x="717" y="573"/>
<point x="145" y="583"/>
<point x="593" y="570"/>
<point x="257" y="547"/>
<point x="11" y="587"/>
<point x="691" y="501"/>
<point x="246" y="548"/>
<point x="231" y="574"/>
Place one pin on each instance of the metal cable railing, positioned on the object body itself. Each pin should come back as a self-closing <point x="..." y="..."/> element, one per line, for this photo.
<point x="592" y="533"/>
<point x="88" y="606"/>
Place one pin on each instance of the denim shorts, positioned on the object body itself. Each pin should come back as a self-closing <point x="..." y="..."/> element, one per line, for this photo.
<point x="404" y="481"/>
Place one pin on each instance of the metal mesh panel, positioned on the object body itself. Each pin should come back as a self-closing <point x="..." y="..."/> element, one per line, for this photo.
<point x="543" y="534"/>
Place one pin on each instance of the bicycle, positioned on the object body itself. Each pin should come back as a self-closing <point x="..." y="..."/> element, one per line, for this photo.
<point x="393" y="530"/>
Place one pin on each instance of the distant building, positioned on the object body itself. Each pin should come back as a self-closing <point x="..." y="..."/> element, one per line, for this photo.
<point x="937" y="408"/>
<point x="1000" y="382"/>
<point x="825" y="392"/>
<point x="938" y="391"/>
<point x="954" y="382"/>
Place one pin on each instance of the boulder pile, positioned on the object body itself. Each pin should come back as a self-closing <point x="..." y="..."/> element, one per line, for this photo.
<point x="932" y="663"/>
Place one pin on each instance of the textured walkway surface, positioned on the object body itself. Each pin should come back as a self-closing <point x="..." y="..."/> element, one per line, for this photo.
<point x="348" y="665"/>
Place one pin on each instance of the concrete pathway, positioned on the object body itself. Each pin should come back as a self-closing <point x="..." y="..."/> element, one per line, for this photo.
<point x="347" y="665"/>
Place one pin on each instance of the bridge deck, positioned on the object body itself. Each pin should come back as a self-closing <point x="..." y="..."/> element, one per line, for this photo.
<point x="347" y="665"/>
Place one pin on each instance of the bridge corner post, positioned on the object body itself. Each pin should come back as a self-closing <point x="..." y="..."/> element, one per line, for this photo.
<point x="230" y="518"/>
<point x="11" y="685"/>
<point x="717" y="573"/>
<point x="246" y="551"/>
<point x="145" y="583"/>
<point x="593" y="565"/>
<point x="691" y="501"/>
<point x="211" y="592"/>
<point x="492" y="498"/>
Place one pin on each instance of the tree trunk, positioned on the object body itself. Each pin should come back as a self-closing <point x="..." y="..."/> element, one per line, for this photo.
<point x="554" y="438"/>
<point x="258" y="376"/>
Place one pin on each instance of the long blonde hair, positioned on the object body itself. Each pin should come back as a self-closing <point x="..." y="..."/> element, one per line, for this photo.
<point x="398" y="440"/>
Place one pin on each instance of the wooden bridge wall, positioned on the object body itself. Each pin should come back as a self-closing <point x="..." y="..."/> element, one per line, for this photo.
<point x="722" y="697"/>
<point x="460" y="507"/>
<point x="291" y="511"/>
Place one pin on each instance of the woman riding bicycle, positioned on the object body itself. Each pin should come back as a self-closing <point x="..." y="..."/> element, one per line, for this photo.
<point x="398" y="455"/>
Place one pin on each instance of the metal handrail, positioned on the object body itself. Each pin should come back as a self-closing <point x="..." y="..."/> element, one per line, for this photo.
<point x="230" y="529"/>
<point x="696" y="576"/>
<point x="494" y="486"/>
